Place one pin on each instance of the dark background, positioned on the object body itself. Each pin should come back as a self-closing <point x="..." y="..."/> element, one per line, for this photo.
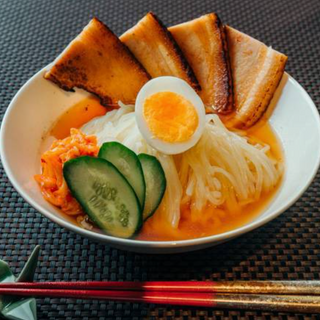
<point x="32" y="33"/>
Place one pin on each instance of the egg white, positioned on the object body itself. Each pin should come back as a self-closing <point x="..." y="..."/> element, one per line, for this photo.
<point x="178" y="86"/>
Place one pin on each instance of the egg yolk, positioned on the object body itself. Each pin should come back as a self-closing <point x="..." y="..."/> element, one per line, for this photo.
<point x="170" y="117"/>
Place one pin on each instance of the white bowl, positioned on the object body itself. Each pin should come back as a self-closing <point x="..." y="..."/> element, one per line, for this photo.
<point x="39" y="103"/>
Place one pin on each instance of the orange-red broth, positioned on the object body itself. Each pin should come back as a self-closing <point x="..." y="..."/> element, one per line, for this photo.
<point x="212" y="220"/>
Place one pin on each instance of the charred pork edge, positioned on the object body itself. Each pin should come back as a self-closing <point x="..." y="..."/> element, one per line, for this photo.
<point x="183" y="60"/>
<point x="106" y="100"/>
<point x="256" y="116"/>
<point x="229" y="107"/>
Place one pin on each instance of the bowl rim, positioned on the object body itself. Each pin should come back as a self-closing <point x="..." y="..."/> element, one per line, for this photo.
<point x="222" y="237"/>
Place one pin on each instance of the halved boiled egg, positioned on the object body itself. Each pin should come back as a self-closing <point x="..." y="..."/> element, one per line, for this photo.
<point x="170" y="115"/>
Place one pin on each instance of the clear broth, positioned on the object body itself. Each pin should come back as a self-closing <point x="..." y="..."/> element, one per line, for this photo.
<point x="212" y="220"/>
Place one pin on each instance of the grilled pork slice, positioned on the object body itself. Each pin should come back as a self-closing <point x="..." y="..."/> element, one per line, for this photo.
<point x="257" y="71"/>
<point x="98" y="62"/>
<point x="153" y="45"/>
<point x="203" y="42"/>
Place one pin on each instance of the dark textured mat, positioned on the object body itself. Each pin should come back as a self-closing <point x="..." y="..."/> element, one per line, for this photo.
<point x="32" y="33"/>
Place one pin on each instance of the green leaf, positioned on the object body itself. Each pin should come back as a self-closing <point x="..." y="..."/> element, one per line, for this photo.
<point x="16" y="308"/>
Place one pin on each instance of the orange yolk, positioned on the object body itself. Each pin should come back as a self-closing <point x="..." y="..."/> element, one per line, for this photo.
<point x="170" y="117"/>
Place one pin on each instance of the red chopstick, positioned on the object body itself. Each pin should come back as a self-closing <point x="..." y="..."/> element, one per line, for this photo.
<point x="197" y="299"/>
<point x="286" y="303"/>
<point x="168" y="286"/>
<point x="258" y="287"/>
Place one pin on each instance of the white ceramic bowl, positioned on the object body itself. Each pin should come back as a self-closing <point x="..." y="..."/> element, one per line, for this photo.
<point x="39" y="103"/>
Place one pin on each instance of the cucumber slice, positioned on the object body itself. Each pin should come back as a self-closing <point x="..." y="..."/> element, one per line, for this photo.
<point x="105" y="195"/>
<point x="127" y="162"/>
<point x="155" y="183"/>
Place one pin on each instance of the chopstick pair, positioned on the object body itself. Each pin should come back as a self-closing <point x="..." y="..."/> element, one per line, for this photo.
<point x="292" y="296"/>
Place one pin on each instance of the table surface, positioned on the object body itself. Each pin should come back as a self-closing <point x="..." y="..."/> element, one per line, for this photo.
<point x="32" y="33"/>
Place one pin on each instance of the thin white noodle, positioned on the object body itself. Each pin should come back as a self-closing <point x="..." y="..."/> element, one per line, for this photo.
<point x="222" y="168"/>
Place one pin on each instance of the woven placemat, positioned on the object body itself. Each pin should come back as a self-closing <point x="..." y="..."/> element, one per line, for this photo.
<point x="32" y="33"/>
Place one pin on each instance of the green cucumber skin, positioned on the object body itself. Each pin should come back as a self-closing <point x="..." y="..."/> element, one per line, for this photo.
<point x="152" y="163"/>
<point x="109" y="149"/>
<point x="89" y="162"/>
